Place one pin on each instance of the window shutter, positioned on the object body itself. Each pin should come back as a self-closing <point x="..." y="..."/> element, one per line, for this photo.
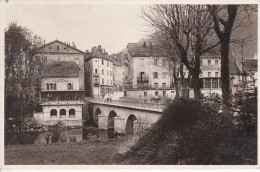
<point x="54" y="86"/>
<point x="47" y="86"/>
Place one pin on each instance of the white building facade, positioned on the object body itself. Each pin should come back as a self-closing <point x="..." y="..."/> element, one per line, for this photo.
<point x="98" y="73"/>
<point x="61" y="98"/>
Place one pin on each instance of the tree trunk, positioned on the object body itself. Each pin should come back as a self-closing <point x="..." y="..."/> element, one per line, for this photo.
<point x="176" y="84"/>
<point x="225" y="78"/>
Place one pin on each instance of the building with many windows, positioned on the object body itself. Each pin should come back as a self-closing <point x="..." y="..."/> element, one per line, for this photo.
<point x="98" y="73"/>
<point x="60" y="96"/>
<point x="151" y="73"/>
<point x="59" y="51"/>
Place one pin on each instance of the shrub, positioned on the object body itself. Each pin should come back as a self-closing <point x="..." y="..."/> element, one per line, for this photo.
<point x="189" y="132"/>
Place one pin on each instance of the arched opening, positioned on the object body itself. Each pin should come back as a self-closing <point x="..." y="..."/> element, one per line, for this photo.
<point x="72" y="113"/>
<point x="62" y="113"/>
<point x="97" y="112"/>
<point x="110" y="121"/>
<point x="129" y="129"/>
<point x="53" y="113"/>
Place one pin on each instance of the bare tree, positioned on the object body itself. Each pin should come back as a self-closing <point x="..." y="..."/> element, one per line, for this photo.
<point x="224" y="17"/>
<point x="188" y="29"/>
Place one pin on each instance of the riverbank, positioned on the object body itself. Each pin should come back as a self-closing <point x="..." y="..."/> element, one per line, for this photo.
<point x="76" y="153"/>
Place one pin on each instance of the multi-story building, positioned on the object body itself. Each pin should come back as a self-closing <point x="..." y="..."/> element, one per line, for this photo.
<point x="60" y="96"/>
<point x="59" y="51"/>
<point x="98" y="73"/>
<point x="119" y="76"/>
<point x="62" y="84"/>
<point x="210" y="76"/>
<point x="250" y="74"/>
<point x="151" y="73"/>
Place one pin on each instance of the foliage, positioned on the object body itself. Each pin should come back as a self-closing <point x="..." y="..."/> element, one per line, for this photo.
<point x="191" y="132"/>
<point x="21" y="72"/>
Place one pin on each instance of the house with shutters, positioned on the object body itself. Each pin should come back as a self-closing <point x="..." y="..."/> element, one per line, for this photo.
<point x="60" y="96"/>
<point x="61" y="85"/>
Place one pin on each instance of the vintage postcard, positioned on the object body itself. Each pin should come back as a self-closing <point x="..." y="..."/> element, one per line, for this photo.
<point x="129" y="83"/>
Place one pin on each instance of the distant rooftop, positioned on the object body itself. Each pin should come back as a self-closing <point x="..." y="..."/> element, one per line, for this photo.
<point x="250" y="65"/>
<point x="144" y="50"/>
<point x="98" y="52"/>
<point x="60" y="69"/>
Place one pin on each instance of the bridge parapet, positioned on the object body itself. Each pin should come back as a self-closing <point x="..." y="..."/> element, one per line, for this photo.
<point x="151" y="106"/>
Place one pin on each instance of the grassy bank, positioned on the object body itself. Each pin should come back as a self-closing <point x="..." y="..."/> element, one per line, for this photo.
<point x="81" y="153"/>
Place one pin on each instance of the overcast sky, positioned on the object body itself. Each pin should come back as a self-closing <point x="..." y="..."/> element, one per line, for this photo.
<point x="112" y="26"/>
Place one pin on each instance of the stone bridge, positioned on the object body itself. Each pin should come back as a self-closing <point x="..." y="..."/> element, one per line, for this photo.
<point x="124" y="116"/>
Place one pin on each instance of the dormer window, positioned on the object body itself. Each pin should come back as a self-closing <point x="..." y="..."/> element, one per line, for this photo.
<point x="58" y="47"/>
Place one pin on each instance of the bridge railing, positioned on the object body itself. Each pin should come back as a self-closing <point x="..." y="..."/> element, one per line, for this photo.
<point x="154" y="106"/>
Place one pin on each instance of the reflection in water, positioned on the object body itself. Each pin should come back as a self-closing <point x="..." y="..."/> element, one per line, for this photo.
<point x="69" y="135"/>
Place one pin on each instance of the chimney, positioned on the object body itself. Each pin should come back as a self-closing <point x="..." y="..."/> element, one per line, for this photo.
<point x="144" y="44"/>
<point x="87" y="52"/>
<point x="151" y="49"/>
<point x="73" y="45"/>
<point x="100" y="47"/>
<point x="93" y="49"/>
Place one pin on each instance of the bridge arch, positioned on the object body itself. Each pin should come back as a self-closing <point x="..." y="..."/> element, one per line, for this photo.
<point x="129" y="128"/>
<point x="110" y="120"/>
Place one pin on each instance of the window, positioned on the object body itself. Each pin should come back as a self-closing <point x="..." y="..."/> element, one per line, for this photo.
<point x="216" y="74"/>
<point x="207" y="83"/>
<point x="110" y="73"/>
<point x="155" y="75"/>
<point x="103" y="81"/>
<point x="102" y="61"/>
<point x="49" y="48"/>
<point x="51" y="86"/>
<point x="62" y="112"/>
<point x="58" y="47"/>
<point x="107" y="82"/>
<point x="184" y="73"/>
<point x="209" y="74"/>
<point x="216" y="62"/>
<point x="70" y="86"/>
<point x="102" y="71"/>
<point x="156" y="93"/>
<point x="107" y="73"/>
<point x="214" y="83"/>
<point x="201" y="61"/>
<point x="95" y="71"/>
<point x="155" y="61"/>
<point x="164" y="85"/>
<point x="111" y="82"/>
<point x="142" y="62"/>
<point x="164" y="93"/>
<point x="209" y="62"/>
<point x="145" y="94"/>
<point x="53" y="113"/>
<point x="156" y="85"/>
<point x="72" y="112"/>
<point x="107" y="63"/>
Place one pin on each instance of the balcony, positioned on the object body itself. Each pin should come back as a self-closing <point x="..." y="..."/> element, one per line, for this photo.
<point x="95" y="74"/>
<point x="144" y="79"/>
<point x="61" y="97"/>
<point x="96" y="84"/>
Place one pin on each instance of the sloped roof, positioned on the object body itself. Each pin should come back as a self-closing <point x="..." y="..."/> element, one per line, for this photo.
<point x="97" y="53"/>
<point x="233" y="68"/>
<point x="250" y="65"/>
<point x="69" y="49"/>
<point x="143" y="50"/>
<point x="60" y="69"/>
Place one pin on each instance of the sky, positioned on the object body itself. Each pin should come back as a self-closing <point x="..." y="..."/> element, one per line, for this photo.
<point x="110" y="25"/>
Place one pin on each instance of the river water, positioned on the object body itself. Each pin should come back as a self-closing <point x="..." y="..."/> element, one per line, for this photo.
<point x="68" y="135"/>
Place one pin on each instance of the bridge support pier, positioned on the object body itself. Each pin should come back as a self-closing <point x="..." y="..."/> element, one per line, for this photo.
<point x="119" y="124"/>
<point x="102" y="122"/>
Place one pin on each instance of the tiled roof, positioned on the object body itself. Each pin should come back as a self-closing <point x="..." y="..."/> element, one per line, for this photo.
<point x="97" y="53"/>
<point x="233" y="68"/>
<point x="143" y="50"/>
<point x="250" y="65"/>
<point x="73" y="50"/>
<point x="60" y="69"/>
